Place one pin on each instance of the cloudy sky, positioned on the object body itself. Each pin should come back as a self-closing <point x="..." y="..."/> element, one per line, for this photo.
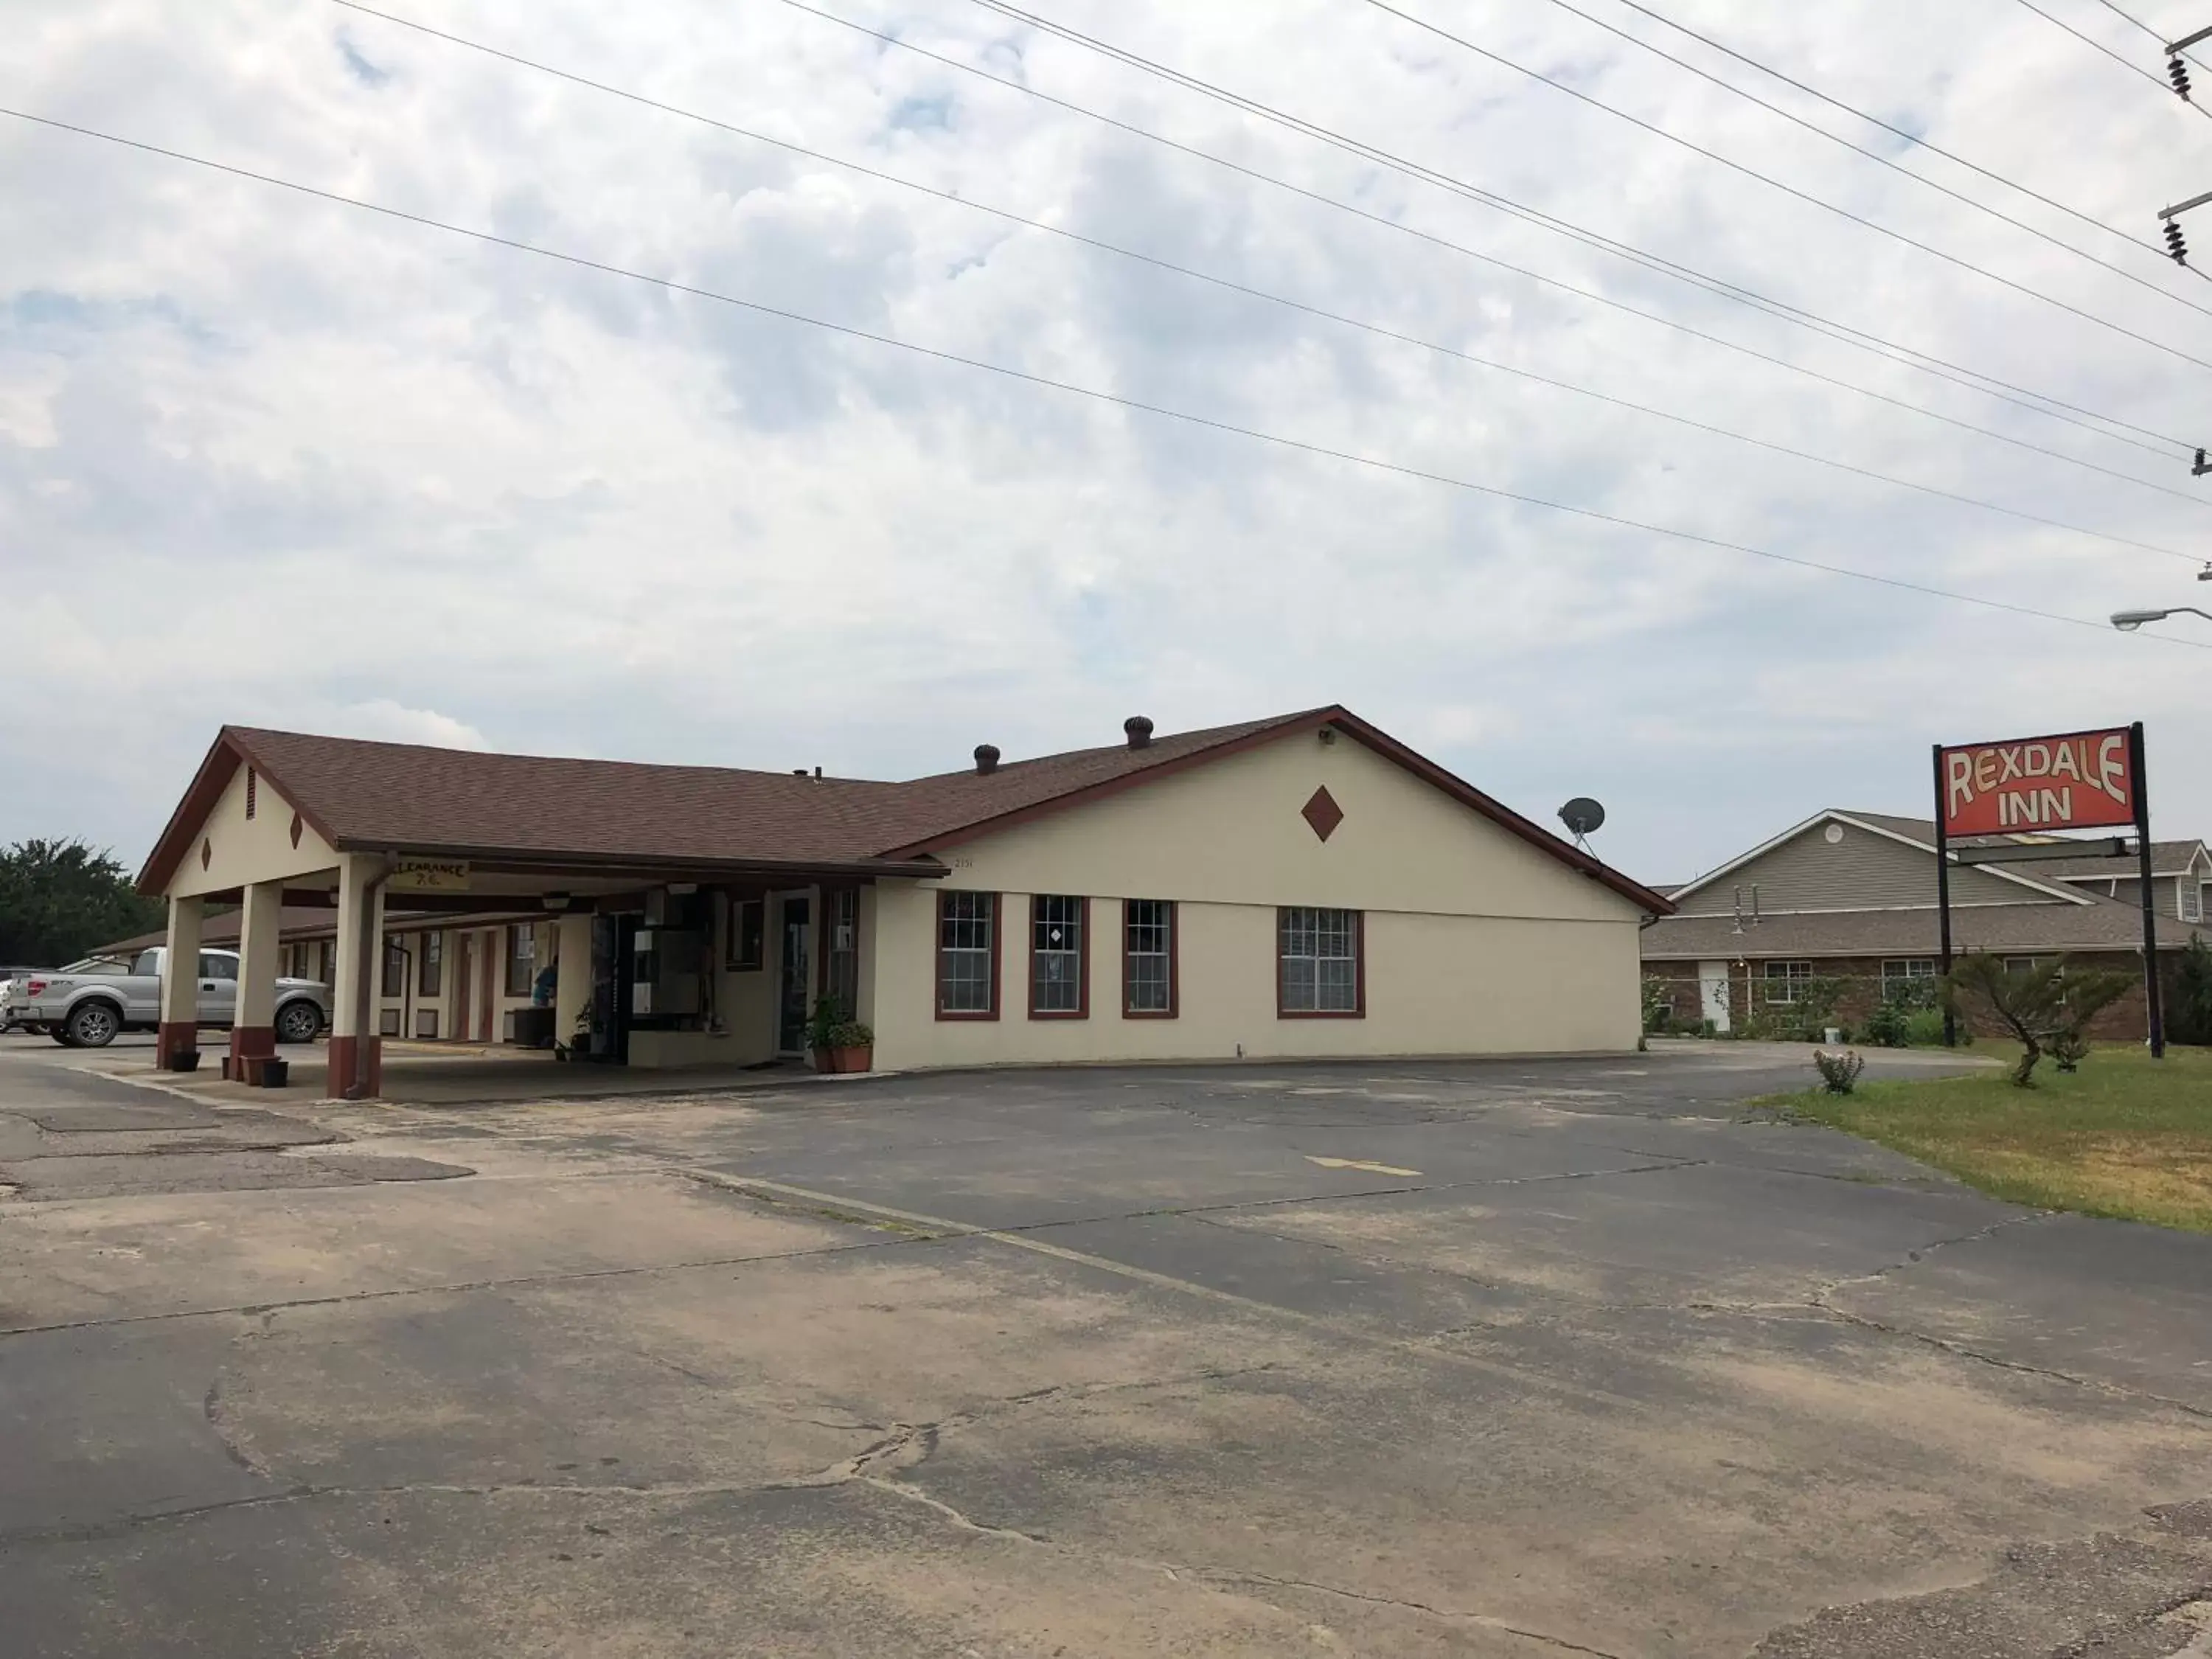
<point x="270" y="459"/>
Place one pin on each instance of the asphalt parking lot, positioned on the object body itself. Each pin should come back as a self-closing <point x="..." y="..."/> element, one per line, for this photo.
<point x="1507" y="1358"/>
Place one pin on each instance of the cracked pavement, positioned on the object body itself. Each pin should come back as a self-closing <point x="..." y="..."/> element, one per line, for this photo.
<point x="1507" y="1358"/>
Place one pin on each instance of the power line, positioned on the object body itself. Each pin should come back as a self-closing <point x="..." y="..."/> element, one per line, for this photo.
<point x="1734" y="166"/>
<point x="1591" y="295"/>
<point x="1025" y="377"/>
<point x="1925" y="362"/>
<point x="1894" y="129"/>
<point x="1876" y="156"/>
<point x="2096" y="44"/>
<point x="2131" y="18"/>
<point x="1377" y="329"/>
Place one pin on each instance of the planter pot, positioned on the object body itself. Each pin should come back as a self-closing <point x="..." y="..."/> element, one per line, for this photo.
<point x="844" y="1059"/>
<point x="275" y="1073"/>
<point x="189" y="1061"/>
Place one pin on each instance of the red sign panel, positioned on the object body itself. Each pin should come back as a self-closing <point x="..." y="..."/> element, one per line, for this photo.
<point x="2083" y="780"/>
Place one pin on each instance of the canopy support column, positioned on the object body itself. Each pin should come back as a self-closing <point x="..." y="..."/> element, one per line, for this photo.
<point x="177" y="1048"/>
<point x="254" y="1027"/>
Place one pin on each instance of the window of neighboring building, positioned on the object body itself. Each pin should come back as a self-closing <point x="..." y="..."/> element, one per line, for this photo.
<point x="2019" y="964"/>
<point x="1059" y="957"/>
<point x="967" y="956"/>
<point x="1900" y="973"/>
<point x="841" y="965"/>
<point x="746" y="951"/>
<point x="395" y="971"/>
<point x="2192" y="902"/>
<point x="521" y="959"/>
<point x="388" y="1023"/>
<point x="1318" y="961"/>
<point x="426" y="1023"/>
<point x="1786" y="980"/>
<point x="1148" y="958"/>
<point x="430" y="971"/>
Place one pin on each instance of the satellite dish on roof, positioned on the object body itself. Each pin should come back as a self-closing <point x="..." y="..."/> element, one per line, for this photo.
<point x="1583" y="816"/>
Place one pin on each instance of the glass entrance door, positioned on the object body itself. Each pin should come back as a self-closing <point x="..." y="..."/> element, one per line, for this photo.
<point x="791" y="997"/>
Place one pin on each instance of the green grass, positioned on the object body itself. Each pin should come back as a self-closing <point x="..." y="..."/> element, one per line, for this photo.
<point x="2125" y="1136"/>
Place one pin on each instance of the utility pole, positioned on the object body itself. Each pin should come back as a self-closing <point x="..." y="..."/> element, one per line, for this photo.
<point x="2177" y="71"/>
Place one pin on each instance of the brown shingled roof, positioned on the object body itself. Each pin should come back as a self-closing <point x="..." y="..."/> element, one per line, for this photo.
<point x="365" y="796"/>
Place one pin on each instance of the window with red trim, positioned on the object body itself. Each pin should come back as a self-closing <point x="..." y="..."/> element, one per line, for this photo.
<point x="1148" y="958"/>
<point x="967" y="956"/>
<point x="1059" y="957"/>
<point x="1319" y="961"/>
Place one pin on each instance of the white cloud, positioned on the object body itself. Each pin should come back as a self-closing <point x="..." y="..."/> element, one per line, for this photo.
<point x="270" y="460"/>
<point x="386" y="721"/>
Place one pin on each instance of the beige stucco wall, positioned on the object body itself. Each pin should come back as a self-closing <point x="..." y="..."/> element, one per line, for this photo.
<point x="745" y="999"/>
<point x="243" y="850"/>
<point x="1228" y="832"/>
<point x="1476" y="942"/>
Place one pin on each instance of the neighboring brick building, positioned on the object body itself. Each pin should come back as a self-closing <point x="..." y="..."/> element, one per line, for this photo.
<point x="1845" y="902"/>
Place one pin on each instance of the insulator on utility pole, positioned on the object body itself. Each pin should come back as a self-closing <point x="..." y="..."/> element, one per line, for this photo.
<point x="2175" y="245"/>
<point x="2198" y="471"/>
<point x="2178" y="72"/>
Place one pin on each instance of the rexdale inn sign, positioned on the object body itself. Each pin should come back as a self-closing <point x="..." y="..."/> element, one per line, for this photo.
<point x="2083" y="780"/>
<point x="2024" y="789"/>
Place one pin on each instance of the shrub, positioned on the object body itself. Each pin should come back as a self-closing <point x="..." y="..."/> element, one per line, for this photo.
<point x="1839" y="1073"/>
<point x="2188" y="1015"/>
<point x="1658" y="1006"/>
<point x="1889" y="1026"/>
<point x="1923" y="1029"/>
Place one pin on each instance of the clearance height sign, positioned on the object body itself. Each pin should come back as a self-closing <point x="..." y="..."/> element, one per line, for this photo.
<point x="2082" y="780"/>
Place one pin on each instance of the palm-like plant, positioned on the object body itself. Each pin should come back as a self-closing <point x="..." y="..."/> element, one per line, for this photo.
<point x="2047" y="1006"/>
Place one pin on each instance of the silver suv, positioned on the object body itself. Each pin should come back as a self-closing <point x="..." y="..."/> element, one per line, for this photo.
<point x="85" y="1004"/>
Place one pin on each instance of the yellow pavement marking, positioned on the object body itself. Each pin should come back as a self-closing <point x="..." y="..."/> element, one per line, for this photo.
<point x="1360" y="1165"/>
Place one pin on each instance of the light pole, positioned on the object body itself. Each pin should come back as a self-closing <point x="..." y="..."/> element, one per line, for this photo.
<point x="2128" y="621"/>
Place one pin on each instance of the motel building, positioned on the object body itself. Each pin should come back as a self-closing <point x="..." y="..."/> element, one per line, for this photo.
<point x="1302" y="886"/>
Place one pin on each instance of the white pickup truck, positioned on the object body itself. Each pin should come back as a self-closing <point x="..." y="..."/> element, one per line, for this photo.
<point x="86" y="1004"/>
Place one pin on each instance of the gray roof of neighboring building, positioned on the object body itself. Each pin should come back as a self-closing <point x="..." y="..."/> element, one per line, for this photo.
<point x="2168" y="858"/>
<point x="2107" y="925"/>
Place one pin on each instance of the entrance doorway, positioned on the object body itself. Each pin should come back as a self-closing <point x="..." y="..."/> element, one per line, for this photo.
<point x="795" y="975"/>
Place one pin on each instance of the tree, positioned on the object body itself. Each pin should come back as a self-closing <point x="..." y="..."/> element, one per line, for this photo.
<point x="2047" y="1005"/>
<point x="60" y="898"/>
<point x="2188" y="1006"/>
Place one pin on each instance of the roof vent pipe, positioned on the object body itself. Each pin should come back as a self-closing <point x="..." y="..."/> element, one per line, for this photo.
<point x="987" y="759"/>
<point x="1139" y="731"/>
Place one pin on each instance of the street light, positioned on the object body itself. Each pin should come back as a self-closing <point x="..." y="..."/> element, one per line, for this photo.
<point x="2128" y="621"/>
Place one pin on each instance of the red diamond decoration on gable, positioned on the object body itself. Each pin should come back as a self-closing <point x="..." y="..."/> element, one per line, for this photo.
<point x="1321" y="813"/>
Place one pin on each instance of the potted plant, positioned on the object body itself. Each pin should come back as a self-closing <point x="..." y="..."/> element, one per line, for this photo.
<point x="839" y="1042"/>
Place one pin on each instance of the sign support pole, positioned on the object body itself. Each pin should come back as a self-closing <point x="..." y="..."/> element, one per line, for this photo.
<point x="1943" y="900"/>
<point x="2151" y="999"/>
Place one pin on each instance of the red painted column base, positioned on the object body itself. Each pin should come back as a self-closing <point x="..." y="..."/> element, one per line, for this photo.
<point x="248" y="1044"/>
<point x="177" y="1046"/>
<point x="346" y="1053"/>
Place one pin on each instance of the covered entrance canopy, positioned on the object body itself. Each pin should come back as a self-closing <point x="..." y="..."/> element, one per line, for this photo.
<point x="655" y="876"/>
